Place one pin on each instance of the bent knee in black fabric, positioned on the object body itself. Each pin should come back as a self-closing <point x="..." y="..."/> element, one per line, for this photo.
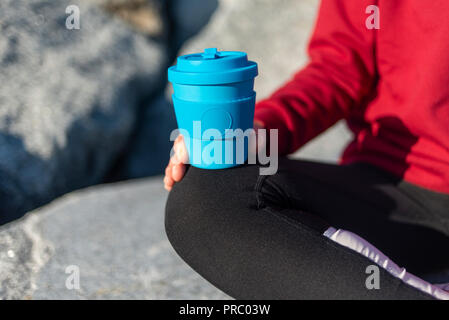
<point x="202" y="194"/>
<point x="204" y="205"/>
<point x="216" y="223"/>
<point x="204" y="218"/>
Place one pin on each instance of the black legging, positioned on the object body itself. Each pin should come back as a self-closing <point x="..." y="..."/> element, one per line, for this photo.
<point x="261" y="237"/>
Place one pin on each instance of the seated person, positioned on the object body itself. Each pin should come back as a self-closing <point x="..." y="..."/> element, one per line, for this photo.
<point x="314" y="230"/>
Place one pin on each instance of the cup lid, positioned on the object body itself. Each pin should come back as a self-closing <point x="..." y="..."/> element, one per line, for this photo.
<point x="212" y="67"/>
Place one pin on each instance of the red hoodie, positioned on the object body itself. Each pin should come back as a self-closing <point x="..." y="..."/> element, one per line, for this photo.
<point x="391" y="85"/>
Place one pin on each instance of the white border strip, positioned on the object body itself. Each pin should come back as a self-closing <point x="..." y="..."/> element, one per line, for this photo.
<point x="360" y="245"/>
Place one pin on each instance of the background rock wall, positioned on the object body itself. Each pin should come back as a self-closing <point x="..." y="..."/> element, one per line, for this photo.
<point x="68" y="99"/>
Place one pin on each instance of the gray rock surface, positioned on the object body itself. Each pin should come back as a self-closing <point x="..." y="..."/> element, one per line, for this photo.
<point x="275" y="35"/>
<point x="113" y="233"/>
<point x="68" y="98"/>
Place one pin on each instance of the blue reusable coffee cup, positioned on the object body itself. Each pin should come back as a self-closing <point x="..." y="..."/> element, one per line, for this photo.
<point x="214" y="102"/>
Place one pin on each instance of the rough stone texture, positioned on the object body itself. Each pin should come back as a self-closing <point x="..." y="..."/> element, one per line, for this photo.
<point x="274" y="34"/>
<point x="68" y="98"/>
<point x="113" y="233"/>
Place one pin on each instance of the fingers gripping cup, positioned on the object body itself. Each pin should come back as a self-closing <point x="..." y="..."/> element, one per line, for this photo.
<point x="214" y="104"/>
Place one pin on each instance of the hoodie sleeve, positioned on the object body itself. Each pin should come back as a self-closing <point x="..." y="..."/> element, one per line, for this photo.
<point x="340" y="75"/>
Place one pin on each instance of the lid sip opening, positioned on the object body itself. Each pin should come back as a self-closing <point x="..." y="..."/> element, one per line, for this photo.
<point x="210" y="53"/>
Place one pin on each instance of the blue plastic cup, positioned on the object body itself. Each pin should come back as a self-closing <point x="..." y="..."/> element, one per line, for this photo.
<point x="213" y="98"/>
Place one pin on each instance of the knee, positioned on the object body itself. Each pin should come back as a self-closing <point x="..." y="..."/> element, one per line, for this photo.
<point x="179" y="216"/>
<point x="203" y="203"/>
<point x="188" y="205"/>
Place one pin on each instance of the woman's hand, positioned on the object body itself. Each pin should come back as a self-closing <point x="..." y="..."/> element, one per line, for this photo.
<point x="176" y="167"/>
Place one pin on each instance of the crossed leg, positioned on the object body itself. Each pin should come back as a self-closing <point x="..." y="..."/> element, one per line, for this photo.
<point x="261" y="237"/>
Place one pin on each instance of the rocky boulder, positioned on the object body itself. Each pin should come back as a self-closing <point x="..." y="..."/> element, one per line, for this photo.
<point x="68" y="97"/>
<point x="104" y="242"/>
